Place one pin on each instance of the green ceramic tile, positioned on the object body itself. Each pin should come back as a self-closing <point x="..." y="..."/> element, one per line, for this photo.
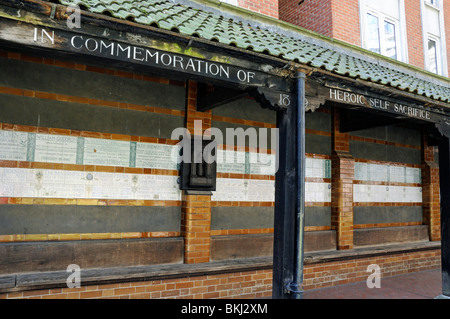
<point x="189" y="21"/>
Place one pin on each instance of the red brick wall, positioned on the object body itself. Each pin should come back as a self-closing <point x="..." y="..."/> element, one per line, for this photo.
<point x="414" y="33"/>
<point x="250" y="284"/>
<point x="267" y="7"/>
<point x="430" y="190"/>
<point x="329" y="17"/>
<point x="340" y="20"/>
<point x="346" y="25"/>
<point x="195" y="228"/>
<point x="342" y="175"/>
<point x="311" y="15"/>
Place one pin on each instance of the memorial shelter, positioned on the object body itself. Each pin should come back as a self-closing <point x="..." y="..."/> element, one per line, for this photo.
<point x="350" y="166"/>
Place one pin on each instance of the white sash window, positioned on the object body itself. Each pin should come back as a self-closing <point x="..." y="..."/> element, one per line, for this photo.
<point x="383" y="28"/>
<point x="433" y="35"/>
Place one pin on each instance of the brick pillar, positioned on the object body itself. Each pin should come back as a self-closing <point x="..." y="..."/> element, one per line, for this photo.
<point x="196" y="228"/>
<point x="430" y="190"/>
<point x="342" y="175"/>
<point x="196" y="206"/>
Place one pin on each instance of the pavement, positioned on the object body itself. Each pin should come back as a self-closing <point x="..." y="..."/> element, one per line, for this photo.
<point x="417" y="285"/>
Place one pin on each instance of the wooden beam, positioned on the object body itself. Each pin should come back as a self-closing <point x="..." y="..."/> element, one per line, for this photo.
<point x="353" y="120"/>
<point x="387" y="103"/>
<point x="444" y="180"/>
<point x="218" y="96"/>
<point x="120" y="49"/>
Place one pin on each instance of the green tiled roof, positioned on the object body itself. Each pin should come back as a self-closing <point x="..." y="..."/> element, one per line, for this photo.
<point x="190" y="21"/>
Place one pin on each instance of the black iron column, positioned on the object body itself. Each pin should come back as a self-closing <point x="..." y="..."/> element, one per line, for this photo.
<point x="444" y="180"/>
<point x="290" y="199"/>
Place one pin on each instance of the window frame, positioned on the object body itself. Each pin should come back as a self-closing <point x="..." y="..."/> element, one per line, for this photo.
<point x="232" y="2"/>
<point x="398" y="22"/>
<point x="434" y="5"/>
<point x="438" y="55"/>
<point x="441" y="51"/>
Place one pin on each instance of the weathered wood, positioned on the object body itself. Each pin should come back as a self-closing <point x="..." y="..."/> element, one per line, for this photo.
<point x="51" y="279"/>
<point x="366" y="252"/>
<point x="52" y="256"/>
<point x="285" y="194"/>
<point x="41" y="280"/>
<point x="290" y="198"/>
<point x="261" y="245"/>
<point x="273" y="99"/>
<point x="8" y="281"/>
<point x="383" y="90"/>
<point x="375" y="101"/>
<point x="444" y="180"/>
<point x="241" y="246"/>
<point x="320" y="240"/>
<point x="218" y="97"/>
<point x="390" y="235"/>
<point x="355" y="120"/>
<point x="146" y="52"/>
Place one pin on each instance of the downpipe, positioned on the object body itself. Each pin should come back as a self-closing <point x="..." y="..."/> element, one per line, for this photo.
<point x="295" y="288"/>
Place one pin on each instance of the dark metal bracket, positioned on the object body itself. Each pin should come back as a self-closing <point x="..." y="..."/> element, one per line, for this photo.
<point x="198" y="168"/>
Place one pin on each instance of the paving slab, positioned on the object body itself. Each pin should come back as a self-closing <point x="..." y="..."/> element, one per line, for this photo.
<point x="418" y="285"/>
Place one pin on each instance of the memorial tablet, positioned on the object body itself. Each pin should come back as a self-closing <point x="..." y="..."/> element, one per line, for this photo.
<point x="55" y="149"/>
<point x="14" y="146"/>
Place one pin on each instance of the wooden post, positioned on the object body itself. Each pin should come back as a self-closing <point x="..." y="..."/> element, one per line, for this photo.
<point x="289" y="200"/>
<point x="444" y="178"/>
<point x="342" y="176"/>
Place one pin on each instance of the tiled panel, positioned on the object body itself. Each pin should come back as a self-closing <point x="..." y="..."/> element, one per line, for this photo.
<point x="229" y="189"/>
<point x="318" y="192"/>
<point x="13" y="145"/>
<point x="387" y="193"/>
<point x="262" y="164"/>
<point x="41" y="183"/>
<point x="153" y="155"/>
<point x="387" y="173"/>
<point x="232" y="189"/>
<point x="52" y="148"/>
<point x="232" y="162"/>
<point x="106" y="152"/>
<point x="319" y="168"/>
<point x="22" y="146"/>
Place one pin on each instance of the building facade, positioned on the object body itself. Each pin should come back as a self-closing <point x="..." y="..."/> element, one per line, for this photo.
<point x="91" y="119"/>
<point x="413" y="32"/>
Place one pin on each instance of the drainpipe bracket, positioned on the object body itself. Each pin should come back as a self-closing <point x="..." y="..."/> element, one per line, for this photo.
<point x="294" y="288"/>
